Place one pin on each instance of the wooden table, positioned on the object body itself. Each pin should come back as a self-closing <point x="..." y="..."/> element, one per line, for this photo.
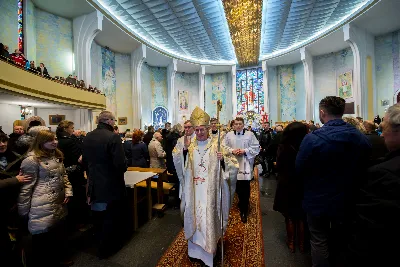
<point x="132" y="178"/>
<point x="162" y="177"/>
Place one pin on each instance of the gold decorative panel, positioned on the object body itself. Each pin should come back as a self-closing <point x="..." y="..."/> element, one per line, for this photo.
<point x="244" y="19"/>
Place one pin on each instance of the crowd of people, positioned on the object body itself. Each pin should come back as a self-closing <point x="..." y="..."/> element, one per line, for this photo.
<point x="338" y="185"/>
<point x="18" y="59"/>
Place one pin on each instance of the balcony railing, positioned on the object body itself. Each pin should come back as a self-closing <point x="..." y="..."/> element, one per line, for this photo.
<point x="18" y="81"/>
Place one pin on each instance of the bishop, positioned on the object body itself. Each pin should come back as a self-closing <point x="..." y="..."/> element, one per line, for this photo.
<point x="203" y="188"/>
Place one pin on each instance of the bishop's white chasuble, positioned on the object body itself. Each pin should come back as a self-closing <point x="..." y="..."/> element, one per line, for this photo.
<point x="200" y="202"/>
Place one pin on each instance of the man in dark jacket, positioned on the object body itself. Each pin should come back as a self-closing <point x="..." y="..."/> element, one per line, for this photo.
<point x="18" y="130"/>
<point x="329" y="162"/>
<point x="149" y="135"/>
<point x="377" y="232"/>
<point x="104" y="158"/>
<point x="265" y="141"/>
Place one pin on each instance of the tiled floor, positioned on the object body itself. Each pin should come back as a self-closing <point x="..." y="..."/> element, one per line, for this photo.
<point x="151" y="240"/>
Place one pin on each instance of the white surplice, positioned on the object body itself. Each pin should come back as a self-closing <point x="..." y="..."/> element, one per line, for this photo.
<point x="244" y="140"/>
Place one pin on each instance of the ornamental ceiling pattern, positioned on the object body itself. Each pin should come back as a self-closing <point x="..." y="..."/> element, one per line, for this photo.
<point x="229" y="32"/>
<point x="195" y="30"/>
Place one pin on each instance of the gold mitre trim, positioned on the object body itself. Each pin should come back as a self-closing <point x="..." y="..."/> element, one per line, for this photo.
<point x="199" y="117"/>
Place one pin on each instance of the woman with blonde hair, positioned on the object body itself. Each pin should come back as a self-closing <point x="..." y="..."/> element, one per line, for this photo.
<point x="43" y="200"/>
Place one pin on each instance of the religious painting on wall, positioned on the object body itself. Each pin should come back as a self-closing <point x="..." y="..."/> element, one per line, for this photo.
<point x="56" y="119"/>
<point x="183" y="100"/>
<point x="249" y="91"/>
<point x="108" y="79"/>
<point x="345" y="84"/>
<point x="122" y="120"/>
<point x="160" y="117"/>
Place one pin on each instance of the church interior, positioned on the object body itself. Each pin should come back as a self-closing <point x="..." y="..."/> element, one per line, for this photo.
<point x="152" y="62"/>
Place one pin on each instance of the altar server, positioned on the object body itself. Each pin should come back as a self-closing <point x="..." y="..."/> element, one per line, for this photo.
<point x="181" y="146"/>
<point x="200" y="205"/>
<point x="244" y="146"/>
<point x="214" y="130"/>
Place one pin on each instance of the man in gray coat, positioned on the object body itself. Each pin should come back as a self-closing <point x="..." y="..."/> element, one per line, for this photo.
<point x="156" y="151"/>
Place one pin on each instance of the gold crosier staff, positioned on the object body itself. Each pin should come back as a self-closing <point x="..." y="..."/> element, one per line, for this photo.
<point x="219" y="108"/>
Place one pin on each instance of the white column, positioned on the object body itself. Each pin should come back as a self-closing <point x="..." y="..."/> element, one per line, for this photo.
<point x="307" y="60"/>
<point x="202" y="86"/>
<point x="85" y="28"/>
<point x="353" y="37"/>
<point x="138" y="56"/>
<point x="234" y="94"/>
<point x="265" y="86"/>
<point x="172" y="95"/>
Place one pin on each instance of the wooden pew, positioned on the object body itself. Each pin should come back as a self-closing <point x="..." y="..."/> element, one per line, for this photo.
<point x="162" y="177"/>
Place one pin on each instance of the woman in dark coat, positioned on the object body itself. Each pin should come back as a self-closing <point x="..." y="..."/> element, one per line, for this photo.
<point x="289" y="191"/>
<point x="72" y="150"/>
<point x="136" y="151"/>
<point x="10" y="182"/>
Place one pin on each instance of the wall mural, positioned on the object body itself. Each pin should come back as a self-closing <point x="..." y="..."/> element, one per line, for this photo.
<point x="216" y="84"/>
<point x="160" y="117"/>
<point x="345" y="84"/>
<point x="249" y="91"/>
<point x="108" y="79"/>
<point x="183" y="100"/>
<point x="9" y="24"/>
<point x="188" y="83"/>
<point x="288" y="92"/>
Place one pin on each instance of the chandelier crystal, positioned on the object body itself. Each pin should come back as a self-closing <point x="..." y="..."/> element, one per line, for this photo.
<point x="244" y="19"/>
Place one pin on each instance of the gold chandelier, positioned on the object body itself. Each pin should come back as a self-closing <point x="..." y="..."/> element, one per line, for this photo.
<point x="244" y="20"/>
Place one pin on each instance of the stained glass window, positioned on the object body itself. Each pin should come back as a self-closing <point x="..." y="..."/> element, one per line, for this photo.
<point x="20" y="27"/>
<point x="249" y="91"/>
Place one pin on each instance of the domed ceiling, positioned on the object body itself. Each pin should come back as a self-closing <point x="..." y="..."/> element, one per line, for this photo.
<point x="228" y="32"/>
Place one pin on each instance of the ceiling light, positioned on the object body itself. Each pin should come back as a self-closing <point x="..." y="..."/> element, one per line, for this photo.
<point x="244" y="20"/>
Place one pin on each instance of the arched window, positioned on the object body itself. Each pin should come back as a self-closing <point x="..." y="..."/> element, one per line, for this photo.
<point x="249" y="91"/>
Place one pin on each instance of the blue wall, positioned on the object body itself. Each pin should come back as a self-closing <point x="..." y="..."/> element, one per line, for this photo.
<point x="54" y="43"/>
<point x="387" y="68"/>
<point x="9" y="24"/>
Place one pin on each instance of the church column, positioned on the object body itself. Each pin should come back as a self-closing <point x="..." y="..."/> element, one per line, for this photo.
<point x="265" y="86"/>
<point x="234" y="94"/>
<point x="362" y="45"/>
<point x="172" y="95"/>
<point x="202" y="86"/>
<point x="138" y="56"/>
<point x="85" y="28"/>
<point x="307" y="60"/>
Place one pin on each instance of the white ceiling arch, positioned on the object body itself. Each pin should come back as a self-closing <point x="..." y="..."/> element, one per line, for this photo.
<point x="289" y="24"/>
<point x="190" y="30"/>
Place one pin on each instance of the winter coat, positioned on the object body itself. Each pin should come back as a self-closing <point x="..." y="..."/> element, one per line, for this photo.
<point x="289" y="191"/>
<point x="9" y="185"/>
<point x="104" y="160"/>
<point x="42" y="198"/>
<point x="330" y="161"/>
<point x="379" y="149"/>
<point x="157" y="154"/>
<point x="170" y="143"/>
<point x="136" y="154"/>
<point x="72" y="149"/>
<point x="378" y="215"/>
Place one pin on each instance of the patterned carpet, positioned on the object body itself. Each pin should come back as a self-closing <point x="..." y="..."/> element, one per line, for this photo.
<point x="243" y="243"/>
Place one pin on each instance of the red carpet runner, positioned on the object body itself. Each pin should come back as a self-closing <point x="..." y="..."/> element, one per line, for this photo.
<point x="244" y="246"/>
